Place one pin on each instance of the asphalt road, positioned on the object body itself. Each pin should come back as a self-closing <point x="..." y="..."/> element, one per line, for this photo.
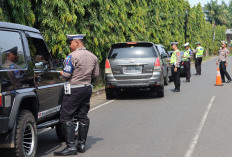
<point x="197" y="122"/>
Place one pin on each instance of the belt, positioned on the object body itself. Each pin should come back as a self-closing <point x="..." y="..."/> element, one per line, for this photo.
<point x="79" y="86"/>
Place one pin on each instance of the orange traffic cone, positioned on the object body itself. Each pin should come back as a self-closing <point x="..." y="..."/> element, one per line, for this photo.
<point x="218" y="78"/>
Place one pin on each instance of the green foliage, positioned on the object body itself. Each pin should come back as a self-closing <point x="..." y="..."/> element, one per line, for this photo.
<point x="1" y="15"/>
<point x="106" y="22"/>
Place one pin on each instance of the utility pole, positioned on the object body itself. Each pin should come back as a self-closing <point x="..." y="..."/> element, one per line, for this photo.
<point x="185" y="27"/>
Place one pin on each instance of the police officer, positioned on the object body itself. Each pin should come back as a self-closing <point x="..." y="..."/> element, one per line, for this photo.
<point x="199" y="54"/>
<point x="222" y="60"/>
<point x="81" y="66"/>
<point x="17" y="77"/>
<point x="186" y="59"/>
<point x="175" y="61"/>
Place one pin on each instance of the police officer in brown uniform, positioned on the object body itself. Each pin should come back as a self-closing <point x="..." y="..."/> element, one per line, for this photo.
<point x="81" y="66"/>
<point x="17" y="76"/>
<point x="222" y="60"/>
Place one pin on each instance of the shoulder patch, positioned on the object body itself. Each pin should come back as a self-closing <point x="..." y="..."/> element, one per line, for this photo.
<point x="68" y="67"/>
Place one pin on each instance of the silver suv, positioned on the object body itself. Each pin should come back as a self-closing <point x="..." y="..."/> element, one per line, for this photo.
<point x="133" y="65"/>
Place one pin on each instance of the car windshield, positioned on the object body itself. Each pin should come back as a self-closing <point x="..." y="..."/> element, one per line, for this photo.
<point x="132" y="52"/>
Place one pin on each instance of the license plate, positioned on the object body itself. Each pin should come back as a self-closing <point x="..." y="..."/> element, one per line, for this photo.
<point x="132" y="69"/>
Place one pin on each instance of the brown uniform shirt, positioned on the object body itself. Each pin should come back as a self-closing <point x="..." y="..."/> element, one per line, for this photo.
<point x="84" y="67"/>
<point x="223" y="55"/>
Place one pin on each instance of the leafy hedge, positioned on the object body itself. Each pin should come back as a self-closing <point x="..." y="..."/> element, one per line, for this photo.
<point x="110" y="21"/>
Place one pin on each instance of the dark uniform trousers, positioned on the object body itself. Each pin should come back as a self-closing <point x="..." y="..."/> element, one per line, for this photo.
<point x="223" y="71"/>
<point x="198" y="61"/>
<point x="176" y="77"/>
<point x="187" y="70"/>
<point x="77" y="103"/>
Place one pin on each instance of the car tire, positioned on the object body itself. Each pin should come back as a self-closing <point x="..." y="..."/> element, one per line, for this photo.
<point x="25" y="135"/>
<point x="166" y="80"/>
<point x="160" y="92"/>
<point x="110" y="94"/>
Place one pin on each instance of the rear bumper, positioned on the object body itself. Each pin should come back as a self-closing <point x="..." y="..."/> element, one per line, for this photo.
<point x="155" y="80"/>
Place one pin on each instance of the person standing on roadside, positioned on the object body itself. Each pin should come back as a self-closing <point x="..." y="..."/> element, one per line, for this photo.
<point x="186" y="59"/>
<point x="175" y="62"/>
<point x="199" y="51"/>
<point x="81" y="67"/>
<point x="223" y="61"/>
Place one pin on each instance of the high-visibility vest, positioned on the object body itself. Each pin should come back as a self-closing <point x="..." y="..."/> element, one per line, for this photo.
<point x="174" y="57"/>
<point x="186" y="54"/>
<point x="200" y="51"/>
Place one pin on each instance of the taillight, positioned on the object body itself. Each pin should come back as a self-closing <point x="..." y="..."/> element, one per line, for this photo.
<point x="107" y="67"/>
<point x="157" y="65"/>
<point x="0" y="100"/>
<point x="131" y="43"/>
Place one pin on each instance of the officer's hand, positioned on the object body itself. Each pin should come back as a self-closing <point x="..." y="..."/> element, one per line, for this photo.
<point x="61" y="73"/>
<point x="226" y="64"/>
<point x="175" y="69"/>
<point x="216" y="63"/>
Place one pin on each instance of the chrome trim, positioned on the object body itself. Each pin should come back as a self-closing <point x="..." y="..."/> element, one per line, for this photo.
<point x="49" y="86"/>
<point x="132" y="64"/>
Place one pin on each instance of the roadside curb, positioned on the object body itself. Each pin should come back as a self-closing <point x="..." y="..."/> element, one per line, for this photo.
<point x="98" y="92"/>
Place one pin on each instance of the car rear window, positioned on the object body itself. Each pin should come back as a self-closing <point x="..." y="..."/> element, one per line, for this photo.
<point x="132" y="51"/>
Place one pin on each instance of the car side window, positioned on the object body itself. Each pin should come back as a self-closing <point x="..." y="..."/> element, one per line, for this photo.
<point x="164" y="52"/>
<point x="11" y="51"/>
<point x="39" y="53"/>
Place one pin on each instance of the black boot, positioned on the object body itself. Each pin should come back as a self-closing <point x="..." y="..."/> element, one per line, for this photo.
<point x="82" y="136"/>
<point x="69" y="132"/>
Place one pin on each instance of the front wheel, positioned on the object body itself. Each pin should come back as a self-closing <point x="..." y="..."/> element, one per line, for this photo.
<point x="26" y="135"/>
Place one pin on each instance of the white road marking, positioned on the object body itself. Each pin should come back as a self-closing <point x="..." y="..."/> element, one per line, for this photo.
<point x="47" y="129"/>
<point x="194" y="141"/>
<point x="100" y="105"/>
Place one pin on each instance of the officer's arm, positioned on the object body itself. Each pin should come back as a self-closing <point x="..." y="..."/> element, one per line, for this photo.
<point x="218" y="57"/>
<point x="95" y="70"/>
<point x="68" y="67"/>
<point x="194" y="51"/>
<point x="226" y="57"/>
<point x="177" y="59"/>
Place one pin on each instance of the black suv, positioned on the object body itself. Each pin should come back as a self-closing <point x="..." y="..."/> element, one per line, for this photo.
<point x="30" y="91"/>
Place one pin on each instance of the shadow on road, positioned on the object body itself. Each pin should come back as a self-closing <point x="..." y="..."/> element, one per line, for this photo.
<point x="91" y="141"/>
<point x="48" y="143"/>
<point x="137" y="94"/>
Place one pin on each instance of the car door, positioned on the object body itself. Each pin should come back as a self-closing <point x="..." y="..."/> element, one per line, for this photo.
<point x="164" y="58"/>
<point x="48" y="83"/>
